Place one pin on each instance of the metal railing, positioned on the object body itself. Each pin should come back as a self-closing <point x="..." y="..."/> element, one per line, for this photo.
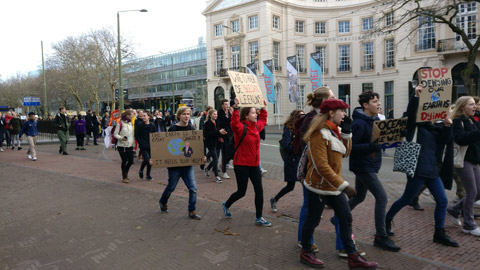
<point x="451" y="44"/>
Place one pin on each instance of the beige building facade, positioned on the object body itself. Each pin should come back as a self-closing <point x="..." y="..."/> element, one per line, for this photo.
<point x="353" y="56"/>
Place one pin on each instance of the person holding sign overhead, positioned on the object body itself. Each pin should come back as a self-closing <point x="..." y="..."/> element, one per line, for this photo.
<point x="186" y="173"/>
<point x="432" y="139"/>
<point x="246" y="159"/>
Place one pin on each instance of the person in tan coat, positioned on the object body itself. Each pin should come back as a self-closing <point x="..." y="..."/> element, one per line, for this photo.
<point x="326" y="146"/>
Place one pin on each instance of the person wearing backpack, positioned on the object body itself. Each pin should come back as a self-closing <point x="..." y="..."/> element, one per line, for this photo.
<point x="246" y="159"/>
<point x="125" y="142"/>
<point x="290" y="162"/>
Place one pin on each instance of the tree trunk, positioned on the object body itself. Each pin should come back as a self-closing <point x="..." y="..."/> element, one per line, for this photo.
<point x="113" y="97"/>
<point x="467" y="74"/>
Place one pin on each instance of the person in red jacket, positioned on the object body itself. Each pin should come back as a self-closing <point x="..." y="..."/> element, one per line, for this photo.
<point x="247" y="157"/>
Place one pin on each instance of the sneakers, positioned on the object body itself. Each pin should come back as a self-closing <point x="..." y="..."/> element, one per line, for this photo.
<point x="385" y="243"/>
<point x="140" y="174"/>
<point x="207" y="174"/>
<point x="314" y="247"/>
<point x="78" y="148"/>
<point x="263" y="171"/>
<point x="475" y="231"/>
<point x="193" y="215"/>
<point x="163" y="208"/>
<point x="29" y="156"/>
<point x="34" y="158"/>
<point x="477" y="203"/>
<point x="218" y="180"/>
<point x="149" y="178"/>
<point x="273" y="205"/>
<point x="453" y="217"/>
<point x="83" y="148"/>
<point x="229" y="166"/>
<point x="262" y="222"/>
<point x="308" y="258"/>
<point x="19" y="148"/>
<point x="125" y="180"/>
<point x="343" y="254"/>
<point x="225" y="176"/>
<point x="65" y="153"/>
<point x="1" y="149"/>
<point x="226" y="211"/>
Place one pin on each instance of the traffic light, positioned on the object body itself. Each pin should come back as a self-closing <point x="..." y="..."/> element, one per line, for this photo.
<point x="116" y="94"/>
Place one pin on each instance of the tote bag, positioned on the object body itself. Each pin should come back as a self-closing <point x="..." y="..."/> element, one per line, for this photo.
<point x="406" y="155"/>
<point x="459" y="154"/>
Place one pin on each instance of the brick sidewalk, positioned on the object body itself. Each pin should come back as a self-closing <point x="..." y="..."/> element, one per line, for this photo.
<point x="276" y="248"/>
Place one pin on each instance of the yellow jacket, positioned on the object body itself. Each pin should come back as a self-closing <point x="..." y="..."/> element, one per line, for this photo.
<point x="324" y="169"/>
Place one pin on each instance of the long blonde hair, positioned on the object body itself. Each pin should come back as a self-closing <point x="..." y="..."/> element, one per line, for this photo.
<point x="316" y="125"/>
<point x="460" y="105"/>
<point x="209" y="114"/>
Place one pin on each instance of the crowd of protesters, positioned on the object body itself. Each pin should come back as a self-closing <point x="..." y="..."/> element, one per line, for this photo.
<point x="313" y="144"/>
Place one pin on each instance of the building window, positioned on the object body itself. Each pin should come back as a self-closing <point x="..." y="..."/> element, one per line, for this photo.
<point x="253" y="49"/>
<point x="323" y="57"/>
<point x="389" y="53"/>
<point x="299" y="26"/>
<point x="301" y="97"/>
<point x="218" y="30"/>
<point x="344" y="58"/>
<point x="235" y="26"/>
<point x="425" y="33"/>
<point x="367" y="24"/>
<point x="253" y="22"/>
<point x="343" y="27"/>
<point x="300" y="49"/>
<point x="344" y="93"/>
<point x="320" y="28"/>
<point x="367" y="50"/>
<point x="388" y="97"/>
<point x="367" y="87"/>
<point x="389" y="19"/>
<point x="235" y="57"/>
<point x="218" y="60"/>
<point x="276" y="55"/>
<point x="466" y="20"/>
<point x="276" y="22"/>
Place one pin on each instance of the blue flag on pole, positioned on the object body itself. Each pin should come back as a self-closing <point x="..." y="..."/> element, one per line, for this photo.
<point x="315" y="70"/>
<point x="268" y="78"/>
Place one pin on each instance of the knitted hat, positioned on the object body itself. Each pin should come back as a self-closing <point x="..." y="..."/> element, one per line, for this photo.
<point x="333" y="104"/>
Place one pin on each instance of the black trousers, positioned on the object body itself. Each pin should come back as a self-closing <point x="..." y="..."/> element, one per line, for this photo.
<point x="126" y="154"/>
<point x="242" y="173"/>
<point x="80" y="139"/>
<point x="146" y="160"/>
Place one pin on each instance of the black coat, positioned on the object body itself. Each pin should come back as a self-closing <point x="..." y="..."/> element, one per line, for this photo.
<point x="142" y="134"/>
<point x="466" y="131"/>
<point x="160" y="125"/>
<point x="363" y="158"/>
<point x="290" y="164"/>
<point x="211" y="133"/>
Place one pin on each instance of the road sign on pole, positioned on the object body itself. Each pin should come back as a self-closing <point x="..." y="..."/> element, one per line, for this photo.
<point x="31" y="101"/>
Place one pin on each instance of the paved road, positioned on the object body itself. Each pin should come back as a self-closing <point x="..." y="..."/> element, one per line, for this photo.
<point x="72" y="212"/>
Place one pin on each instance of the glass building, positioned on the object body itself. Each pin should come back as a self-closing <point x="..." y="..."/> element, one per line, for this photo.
<point x="153" y="81"/>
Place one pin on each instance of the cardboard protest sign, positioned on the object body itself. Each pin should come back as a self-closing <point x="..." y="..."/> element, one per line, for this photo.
<point x="246" y="89"/>
<point x="388" y="132"/>
<point x="436" y="96"/>
<point x="176" y="148"/>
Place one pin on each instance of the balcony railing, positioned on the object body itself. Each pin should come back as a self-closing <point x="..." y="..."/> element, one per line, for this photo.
<point x="389" y="65"/>
<point x="451" y="44"/>
<point x="344" y="69"/>
<point x="223" y="72"/>
<point x="425" y="47"/>
<point x="367" y="67"/>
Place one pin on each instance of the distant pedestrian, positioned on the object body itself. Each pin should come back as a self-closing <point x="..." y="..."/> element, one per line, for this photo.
<point x="80" y="131"/>
<point x="225" y="143"/>
<point x="8" y="128"/>
<point x="104" y="122"/>
<point x="432" y="138"/>
<point x="186" y="172"/>
<point x="2" y="131"/>
<point x="212" y="133"/>
<point x="88" y="125"/>
<point x="159" y="122"/>
<point x="62" y="122"/>
<point x="247" y="158"/>
<point x="30" y="128"/>
<point x="290" y="162"/>
<point x="95" y="128"/>
<point x="16" y="124"/>
<point x="466" y="132"/>
<point x="142" y="135"/>
<point x="125" y="142"/>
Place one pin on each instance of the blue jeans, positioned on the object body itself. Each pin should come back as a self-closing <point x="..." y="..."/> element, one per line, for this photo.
<point x="303" y="216"/>
<point x="188" y="177"/>
<point x="412" y="188"/>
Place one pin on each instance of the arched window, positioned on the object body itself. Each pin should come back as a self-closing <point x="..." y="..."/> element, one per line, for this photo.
<point x="219" y="96"/>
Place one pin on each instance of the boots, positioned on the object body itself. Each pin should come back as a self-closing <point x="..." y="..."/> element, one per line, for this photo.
<point x="388" y="227"/>
<point x="385" y="243"/>
<point x="355" y="261"/>
<point x="308" y="258"/>
<point x="441" y="237"/>
<point x="416" y="205"/>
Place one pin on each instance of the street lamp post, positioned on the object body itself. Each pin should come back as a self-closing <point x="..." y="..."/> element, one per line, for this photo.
<point x="119" y="51"/>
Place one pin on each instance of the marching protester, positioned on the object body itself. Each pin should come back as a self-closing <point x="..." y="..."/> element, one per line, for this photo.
<point x="80" y="130"/>
<point x="142" y="135"/>
<point x="326" y="147"/>
<point x="432" y="138"/>
<point x="125" y="141"/>
<point x="365" y="162"/>
<point x="2" y="131"/>
<point x="186" y="173"/>
<point x="466" y="132"/>
<point x="301" y="126"/>
<point x="159" y="122"/>
<point x="290" y="162"/>
<point x="62" y="121"/>
<point x="30" y="128"/>
<point x="89" y="125"/>
<point x="95" y="128"/>
<point x="225" y="143"/>
<point x="211" y="134"/>
<point x="16" y="125"/>
<point x="105" y="121"/>
<point x="246" y="159"/>
<point x="8" y="129"/>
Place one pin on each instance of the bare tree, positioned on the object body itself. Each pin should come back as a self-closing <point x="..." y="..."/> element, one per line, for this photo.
<point x="444" y="12"/>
